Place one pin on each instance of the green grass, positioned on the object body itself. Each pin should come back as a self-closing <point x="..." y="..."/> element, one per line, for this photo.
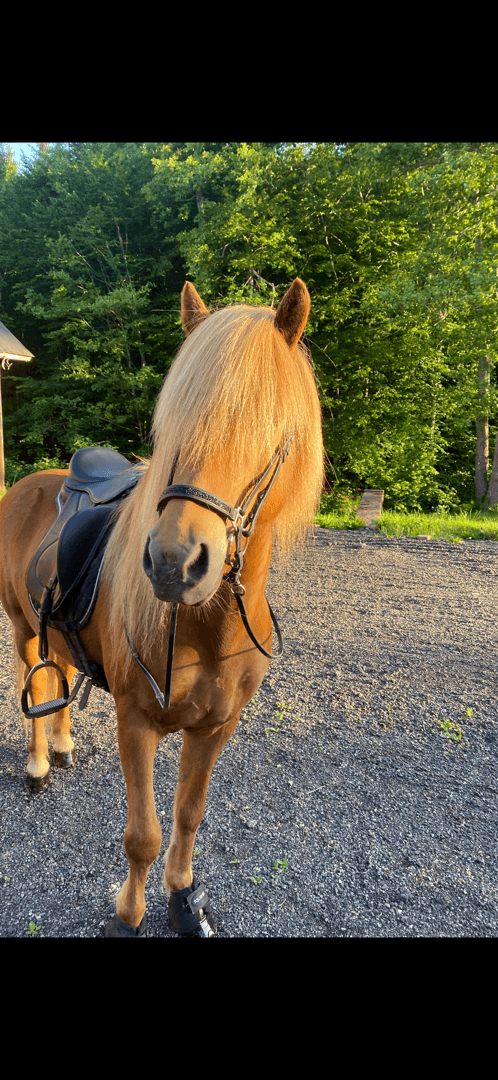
<point x="461" y="525"/>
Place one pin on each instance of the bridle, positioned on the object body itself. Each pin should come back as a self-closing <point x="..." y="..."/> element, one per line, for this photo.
<point x="242" y="527"/>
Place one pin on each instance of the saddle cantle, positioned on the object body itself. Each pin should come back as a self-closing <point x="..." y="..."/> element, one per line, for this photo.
<point x="63" y="576"/>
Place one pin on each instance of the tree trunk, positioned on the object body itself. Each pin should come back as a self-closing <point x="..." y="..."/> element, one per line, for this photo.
<point x="492" y="496"/>
<point x="482" y="429"/>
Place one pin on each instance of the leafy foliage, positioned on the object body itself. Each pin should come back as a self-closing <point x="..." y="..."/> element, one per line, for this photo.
<point x="397" y="244"/>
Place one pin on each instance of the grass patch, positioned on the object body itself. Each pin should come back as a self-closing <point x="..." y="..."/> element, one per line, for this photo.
<point x="461" y="525"/>
<point x="334" y="519"/>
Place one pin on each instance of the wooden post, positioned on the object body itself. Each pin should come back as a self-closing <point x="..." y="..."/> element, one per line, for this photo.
<point x="2" y="462"/>
<point x="370" y="507"/>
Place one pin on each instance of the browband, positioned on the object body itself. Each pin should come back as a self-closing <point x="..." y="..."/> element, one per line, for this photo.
<point x="185" y="491"/>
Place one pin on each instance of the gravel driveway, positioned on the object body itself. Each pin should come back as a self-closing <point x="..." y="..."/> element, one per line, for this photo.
<point x="343" y="806"/>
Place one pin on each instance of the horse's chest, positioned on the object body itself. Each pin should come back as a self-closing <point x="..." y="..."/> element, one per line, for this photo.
<point x="211" y="699"/>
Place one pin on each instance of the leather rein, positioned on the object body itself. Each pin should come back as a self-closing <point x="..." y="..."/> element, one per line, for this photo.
<point x="242" y="527"/>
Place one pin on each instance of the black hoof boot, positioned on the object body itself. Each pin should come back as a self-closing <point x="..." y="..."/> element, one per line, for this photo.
<point x="64" y="761"/>
<point x="35" y="784"/>
<point x="117" y="928"/>
<point x="190" y="913"/>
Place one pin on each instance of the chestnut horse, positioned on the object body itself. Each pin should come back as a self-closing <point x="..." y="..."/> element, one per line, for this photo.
<point x="238" y="416"/>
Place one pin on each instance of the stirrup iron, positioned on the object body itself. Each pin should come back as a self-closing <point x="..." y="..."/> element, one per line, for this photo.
<point x="48" y="707"/>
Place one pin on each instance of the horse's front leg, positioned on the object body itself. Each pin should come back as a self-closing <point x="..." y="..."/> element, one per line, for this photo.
<point x="138" y="742"/>
<point x="63" y="745"/>
<point x="200" y="752"/>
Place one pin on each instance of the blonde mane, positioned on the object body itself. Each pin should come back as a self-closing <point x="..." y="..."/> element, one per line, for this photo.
<point x="234" y="392"/>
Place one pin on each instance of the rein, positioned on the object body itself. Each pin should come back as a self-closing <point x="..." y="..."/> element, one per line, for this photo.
<point x="242" y="528"/>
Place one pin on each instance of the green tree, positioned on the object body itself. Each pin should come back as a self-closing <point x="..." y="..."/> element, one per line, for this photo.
<point x="87" y="275"/>
<point x="396" y="242"/>
<point x="446" y="281"/>
<point x="339" y="216"/>
<point x="8" y="166"/>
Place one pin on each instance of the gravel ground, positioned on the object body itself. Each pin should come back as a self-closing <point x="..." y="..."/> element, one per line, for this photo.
<point x="341" y="807"/>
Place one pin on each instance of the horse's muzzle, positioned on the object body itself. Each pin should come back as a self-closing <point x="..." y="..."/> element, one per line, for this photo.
<point x="180" y="575"/>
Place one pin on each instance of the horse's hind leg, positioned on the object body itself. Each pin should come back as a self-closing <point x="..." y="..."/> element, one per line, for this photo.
<point x="199" y="754"/>
<point x="38" y="765"/>
<point x="44" y="686"/>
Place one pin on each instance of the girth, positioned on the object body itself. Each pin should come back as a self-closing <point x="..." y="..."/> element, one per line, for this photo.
<point x="242" y="527"/>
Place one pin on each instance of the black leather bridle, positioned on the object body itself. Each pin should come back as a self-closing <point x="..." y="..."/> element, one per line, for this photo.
<point x="241" y="528"/>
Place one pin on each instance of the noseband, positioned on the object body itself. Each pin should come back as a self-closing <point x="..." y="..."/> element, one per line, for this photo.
<point x="241" y="528"/>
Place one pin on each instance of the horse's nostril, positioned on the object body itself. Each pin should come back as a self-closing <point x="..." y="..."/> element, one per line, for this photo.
<point x="199" y="568"/>
<point x="146" y="560"/>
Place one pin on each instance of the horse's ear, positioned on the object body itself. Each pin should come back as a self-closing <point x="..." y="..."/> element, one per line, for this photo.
<point x="194" y="309"/>
<point x="292" y="313"/>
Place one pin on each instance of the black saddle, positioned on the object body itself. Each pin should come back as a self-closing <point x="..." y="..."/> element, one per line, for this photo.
<point x="64" y="574"/>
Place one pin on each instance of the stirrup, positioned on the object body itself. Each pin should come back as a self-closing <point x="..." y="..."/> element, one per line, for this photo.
<point x="47" y="707"/>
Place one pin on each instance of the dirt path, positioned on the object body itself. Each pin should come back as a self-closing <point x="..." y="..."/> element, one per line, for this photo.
<point x="341" y="807"/>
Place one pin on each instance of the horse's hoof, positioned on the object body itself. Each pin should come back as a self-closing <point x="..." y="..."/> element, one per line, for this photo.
<point x="64" y="761"/>
<point x="117" y="928"/>
<point x="190" y="913"/>
<point x="35" y="784"/>
<point x="206" y="928"/>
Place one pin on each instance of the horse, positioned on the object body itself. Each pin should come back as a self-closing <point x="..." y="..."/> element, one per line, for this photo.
<point x="239" y="406"/>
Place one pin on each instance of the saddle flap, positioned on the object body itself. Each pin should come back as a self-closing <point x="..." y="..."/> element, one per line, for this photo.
<point x="43" y="566"/>
<point x="79" y="541"/>
<point x="67" y="551"/>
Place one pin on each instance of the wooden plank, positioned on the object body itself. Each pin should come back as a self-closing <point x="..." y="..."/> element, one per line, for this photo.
<point x="370" y="507"/>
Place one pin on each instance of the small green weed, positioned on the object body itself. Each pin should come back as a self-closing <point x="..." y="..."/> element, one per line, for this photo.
<point x="282" y="708"/>
<point x="256" y="880"/>
<point x="449" y="730"/>
<point x="32" y="929"/>
<point x="453" y="731"/>
<point x="280" y="865"/>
